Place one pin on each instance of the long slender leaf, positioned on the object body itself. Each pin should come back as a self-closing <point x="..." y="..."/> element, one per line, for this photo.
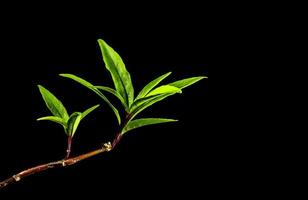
<point x="138" y="102"/>
<point x="144" y="122"/>
<point x="53" y="103"/>
<point x="88" y="111"/>
<point x="73" y="123"/>
<point x="186" y="82"/>
<point x="115" y="93"/>
<point x="120" y="76"/>
<point x="144" y="103"/>
<point x="163" y="90"/>
<point x="151" y="85"/>
<point x="53" y="119"/>
<point x="94" y="89"/>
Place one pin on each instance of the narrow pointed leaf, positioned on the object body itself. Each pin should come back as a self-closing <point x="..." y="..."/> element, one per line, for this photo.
<point x="94" y="89"/>
<point x="53" y="104"/>
<point x="138" y="102"/>
<point x="116" y="112"/>
<point x="151" y="85"/>
<point x="53" y="119"/>
<point x="163" y="90"/>
<point x="115" y="93"/>
<point x="73" y="123"/>
<point x="144" y="103"/>
<point x="144" y="122"/>
<point x="79" y="80"/>
<point x="186" y="82"/>
<point x="120" y="76"/>
<point x="155" y="94"/>
<point x="88" y="111"/>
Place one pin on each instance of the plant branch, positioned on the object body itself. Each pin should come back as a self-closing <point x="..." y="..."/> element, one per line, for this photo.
<point x="66" y="161"/>
<point x="119" y="135"/>
<point x="116" y="140"/>
<point x="69" y="147"/>
<point x="56" y="164"/>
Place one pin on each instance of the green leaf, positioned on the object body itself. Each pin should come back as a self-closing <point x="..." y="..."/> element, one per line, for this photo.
<point x="186" y="82"/>
<point x="88" y="111"/>
<point x="154" y="94"/>
<point x="151" y="85"/>
<point x="53" y="104"/>
<point x="79" y="80"/>
<point x="163" y="90"/>
<point x="144" y="122"/>
<point x="120" y="76"/>
<point x="144" y="103"/>
<point x="54" y="119"/>
<point x="115" y="93"/>
<point x="73" y="123"/>
<point x="94" y="89"/>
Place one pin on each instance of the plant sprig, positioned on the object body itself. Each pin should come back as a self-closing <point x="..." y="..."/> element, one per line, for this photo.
<point x="70" y="123"/>
<point x="124" y="91"/>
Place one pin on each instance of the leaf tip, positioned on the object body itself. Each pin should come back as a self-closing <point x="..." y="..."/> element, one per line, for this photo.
<point x="40" y="86"/>
<point x="42" y="89"/>
<point x="172" y="120"/>
<point x="200" y="78"/>
<point x="63" y="75"/>
<point x="101" y="42"/>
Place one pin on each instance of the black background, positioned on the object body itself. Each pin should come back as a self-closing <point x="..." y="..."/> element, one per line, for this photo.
<point x="195" y="156"/>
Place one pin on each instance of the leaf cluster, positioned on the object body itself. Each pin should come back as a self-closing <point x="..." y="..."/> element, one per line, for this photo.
<point x="123" y="90"/>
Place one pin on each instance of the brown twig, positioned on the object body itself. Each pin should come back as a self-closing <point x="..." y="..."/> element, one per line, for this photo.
<point x="61" y="163"/>
<point x="66" y="161"/>
<point x="69" y="147"/>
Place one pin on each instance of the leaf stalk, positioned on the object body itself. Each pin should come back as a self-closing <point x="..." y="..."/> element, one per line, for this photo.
<point x="69" y="146"/>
